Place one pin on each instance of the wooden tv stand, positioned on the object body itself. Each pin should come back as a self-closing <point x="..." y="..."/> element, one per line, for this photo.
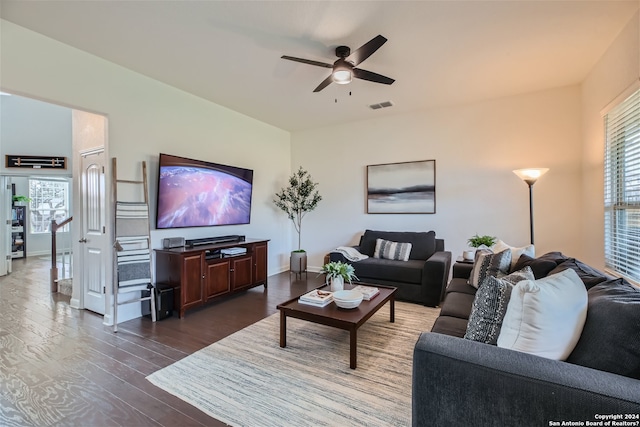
<point x="203" y="274"/>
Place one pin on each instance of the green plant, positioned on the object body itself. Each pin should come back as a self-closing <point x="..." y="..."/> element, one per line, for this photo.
<point x="298" y="198"/>
<point x="477" y="241"/>
<point x="339" y="269"/>
<point x="18" y="198"/>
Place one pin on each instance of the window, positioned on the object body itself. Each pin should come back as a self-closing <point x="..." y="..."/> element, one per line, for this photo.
<point x="49" y="201"/>
<point x="622" y="188"/>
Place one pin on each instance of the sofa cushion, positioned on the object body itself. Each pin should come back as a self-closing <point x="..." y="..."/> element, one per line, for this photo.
<point x="453" y="326"/>
<point x="500" y="246"/>
<point x="387" y="249"/>
<point x="589" y="276"/>
<point x="545" y="317"/>
<point x="386" y="269"/>
<point x="423" y="244"/>
<point x="487" y="263"/>
<point x="556" y="257"/>
<point x="490" y="306"/>
<point x="541" y="267"/>
<point x="461" y="285"/>
<point x="457" y="304"/>
<point x="613" y="319"/>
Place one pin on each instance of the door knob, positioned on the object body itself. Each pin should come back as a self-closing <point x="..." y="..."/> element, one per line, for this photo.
<point x="82" y="241"/>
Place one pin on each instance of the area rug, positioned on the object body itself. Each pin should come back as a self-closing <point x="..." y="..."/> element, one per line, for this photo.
<point x="247" y="379"/>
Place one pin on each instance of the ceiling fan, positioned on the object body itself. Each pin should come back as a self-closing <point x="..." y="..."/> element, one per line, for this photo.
<point x="344" y="69"/>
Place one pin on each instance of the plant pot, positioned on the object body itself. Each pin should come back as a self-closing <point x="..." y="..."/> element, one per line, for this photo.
<point x="337" y="283"/>
<point x="298" y="262"/>
<point x="469" y="254"/>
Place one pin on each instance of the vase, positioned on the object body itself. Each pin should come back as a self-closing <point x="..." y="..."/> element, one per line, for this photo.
<point x="337" y="283"/>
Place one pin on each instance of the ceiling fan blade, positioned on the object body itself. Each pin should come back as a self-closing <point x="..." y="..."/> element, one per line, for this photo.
<point x="359" y="73"/>
<point x="366" y="50"/>
<point x="307" y="61"/>
<point x="326" y="82"/>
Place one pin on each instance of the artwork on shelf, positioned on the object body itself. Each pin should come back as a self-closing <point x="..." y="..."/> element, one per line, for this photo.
<point x="408" y="187"/>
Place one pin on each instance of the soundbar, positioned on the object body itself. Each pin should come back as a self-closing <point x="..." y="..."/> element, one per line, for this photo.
<point x="214" y="240"/>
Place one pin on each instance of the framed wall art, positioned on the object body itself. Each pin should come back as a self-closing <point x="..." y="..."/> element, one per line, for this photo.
<point x="408" y="187"/>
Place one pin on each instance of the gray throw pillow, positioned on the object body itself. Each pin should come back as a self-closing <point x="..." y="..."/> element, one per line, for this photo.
<point x="589" y="275"/>
<point x="487" y="264"/>
<point x="490" y="306"/>
<point x="609" y="340"/>
<point x="392" y="250"/>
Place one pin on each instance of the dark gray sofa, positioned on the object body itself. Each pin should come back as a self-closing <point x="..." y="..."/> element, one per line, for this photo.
<point x="459" y="382"/>
<point x="421" y="279"/>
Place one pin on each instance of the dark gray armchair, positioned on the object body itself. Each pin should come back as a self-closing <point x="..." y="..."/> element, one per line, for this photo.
<point x="421" y="279"/>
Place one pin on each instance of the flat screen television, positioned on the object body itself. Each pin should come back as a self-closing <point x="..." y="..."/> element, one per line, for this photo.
<point x="195" y="193"/>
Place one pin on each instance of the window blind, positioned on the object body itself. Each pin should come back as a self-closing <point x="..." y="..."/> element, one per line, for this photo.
<point x="622" y="188"/>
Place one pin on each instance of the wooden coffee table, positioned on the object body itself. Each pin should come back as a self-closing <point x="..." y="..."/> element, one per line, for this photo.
<point x="331" y="315"/>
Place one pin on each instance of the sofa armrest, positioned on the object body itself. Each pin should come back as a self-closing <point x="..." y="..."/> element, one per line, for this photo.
<point x="458" y="382"/>
<point x="435" y="275"/>
<point x="462" y="270"/>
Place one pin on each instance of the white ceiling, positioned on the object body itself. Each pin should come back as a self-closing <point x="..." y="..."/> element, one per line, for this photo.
<point x="440" y="52"/>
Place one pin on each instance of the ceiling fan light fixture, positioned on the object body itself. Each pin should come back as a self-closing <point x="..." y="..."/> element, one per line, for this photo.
<point x="342" y="76"/>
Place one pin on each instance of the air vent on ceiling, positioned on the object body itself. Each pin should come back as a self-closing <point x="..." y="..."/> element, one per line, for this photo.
<point x="380" y="105"/>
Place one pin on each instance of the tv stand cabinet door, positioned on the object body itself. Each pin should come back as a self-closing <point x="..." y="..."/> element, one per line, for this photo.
<point x="192" y="278"/>
<point x="241" y="272"/>
<point x="217" y="277"/>
<point x="260" y="264"/>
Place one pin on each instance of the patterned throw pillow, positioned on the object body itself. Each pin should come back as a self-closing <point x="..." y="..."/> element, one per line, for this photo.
<point x="487" y="264"/>
<point x="392" y="250"/>
<point x="529" y="250"/>
<point x="490" y="306"/>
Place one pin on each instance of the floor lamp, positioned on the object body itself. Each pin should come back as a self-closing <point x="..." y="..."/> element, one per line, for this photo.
<point x="530" y="176"/>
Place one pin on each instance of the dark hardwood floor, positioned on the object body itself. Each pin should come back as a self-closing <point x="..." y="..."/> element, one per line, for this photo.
<point x="63" y="367"/>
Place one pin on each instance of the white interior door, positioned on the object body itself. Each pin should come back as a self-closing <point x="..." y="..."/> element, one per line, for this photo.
<point x="5" y="230"/>
<point x="94" y="242"/>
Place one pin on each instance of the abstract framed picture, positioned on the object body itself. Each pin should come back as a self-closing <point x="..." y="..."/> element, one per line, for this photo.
<point x="408" y="187"/>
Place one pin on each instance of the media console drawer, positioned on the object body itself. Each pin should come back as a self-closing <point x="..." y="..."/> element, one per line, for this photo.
<point x="203" y="275"/>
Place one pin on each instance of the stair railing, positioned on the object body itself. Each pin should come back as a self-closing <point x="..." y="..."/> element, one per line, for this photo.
<point x="54" y="252"/>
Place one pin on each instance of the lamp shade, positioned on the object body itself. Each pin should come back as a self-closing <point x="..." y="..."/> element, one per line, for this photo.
<point x="530" y="175"/>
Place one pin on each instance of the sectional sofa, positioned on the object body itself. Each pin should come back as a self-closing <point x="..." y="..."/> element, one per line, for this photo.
<point x="461" y="382"/>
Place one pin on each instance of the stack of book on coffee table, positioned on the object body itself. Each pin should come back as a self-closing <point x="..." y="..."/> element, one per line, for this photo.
<point x="367" y="292"/>
<point x="317" y="298"/>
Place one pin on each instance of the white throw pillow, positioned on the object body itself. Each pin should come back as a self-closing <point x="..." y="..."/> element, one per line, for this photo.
<point x="545" y="317"/>
<point x="500" y="246"/>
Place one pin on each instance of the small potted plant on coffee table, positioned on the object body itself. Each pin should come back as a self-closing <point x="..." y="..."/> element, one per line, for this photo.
<point x="337" y="272"/>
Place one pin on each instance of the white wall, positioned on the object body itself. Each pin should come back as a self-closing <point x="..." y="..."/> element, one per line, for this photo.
<point x="147" y="117"/>
<point x="617" y="70"/>
<point x="476" y="147"/>
<point x="31" y="127"/>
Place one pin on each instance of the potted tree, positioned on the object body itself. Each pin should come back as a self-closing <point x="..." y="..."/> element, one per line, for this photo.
<point x="296" y="200"/>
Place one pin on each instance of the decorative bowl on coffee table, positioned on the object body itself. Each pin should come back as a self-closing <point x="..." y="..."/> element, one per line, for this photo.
<point x="347" y="298"/>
